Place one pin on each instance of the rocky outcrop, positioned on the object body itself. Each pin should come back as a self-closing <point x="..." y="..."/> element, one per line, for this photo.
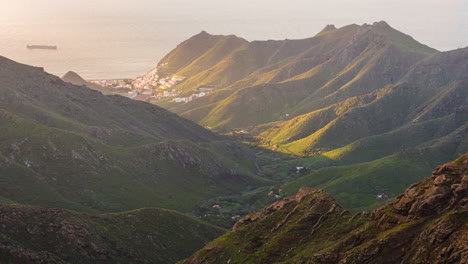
<point x="425" y="224"/>
<point x="327" y="28"/>
<point x="445" y="190"/>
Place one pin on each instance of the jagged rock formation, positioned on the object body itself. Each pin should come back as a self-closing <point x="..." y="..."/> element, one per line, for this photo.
<point x="40" y="235"/>
<point x="425" y="224"/>
<point x="327" y="28"/>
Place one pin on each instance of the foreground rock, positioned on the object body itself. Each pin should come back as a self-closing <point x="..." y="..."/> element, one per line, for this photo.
<point x="426" y="224"/>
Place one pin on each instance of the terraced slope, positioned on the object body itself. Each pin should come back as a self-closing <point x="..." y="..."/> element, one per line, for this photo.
<point x="425" y="224"/>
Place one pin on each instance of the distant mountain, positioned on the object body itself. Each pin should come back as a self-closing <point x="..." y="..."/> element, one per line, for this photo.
<point x="426" y="224"/>
<point x="74" y="78"/>
<point x="366" y="109"/>
<point x="40" y="235"/>
<point x="71" y="147"/>
<point x="278" y="80"/>
<point x="379" y="142"/>
<point x="433" y="90"/>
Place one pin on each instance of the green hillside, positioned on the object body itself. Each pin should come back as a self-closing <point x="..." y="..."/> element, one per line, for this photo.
<point x="71" y="147"/>
<point x="40" y="235"/>
<point x="281" y="79"/>
<point x="384" y="141"/>
<point x="419" y="100"/>
<point x="361" y="107"/>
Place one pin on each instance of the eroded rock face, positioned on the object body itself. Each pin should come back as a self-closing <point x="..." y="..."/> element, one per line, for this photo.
<point x="425" y="224"/>
<point x="445" y="190"/>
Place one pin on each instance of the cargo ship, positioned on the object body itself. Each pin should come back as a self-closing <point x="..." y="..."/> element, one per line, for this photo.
<point x="41" y="47"/>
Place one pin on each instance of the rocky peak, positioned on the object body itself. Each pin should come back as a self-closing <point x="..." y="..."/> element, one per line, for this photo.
<point x="71" y="74"/>
<point x="306" y="200"/>
<point x="381" y="24"/>
<point x="203" y="33"/>
<point x="327" y="28"/>
<point x="445" y="190"/>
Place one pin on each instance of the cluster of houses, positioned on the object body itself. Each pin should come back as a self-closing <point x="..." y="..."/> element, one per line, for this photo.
<point x="276" y="193"/>
<point x="152" y="87"/>
<point x="241" y="133"/>
<point x="113" y="84"/>
<point x="147" y="81"/>
<point x="190" y="98"/>
<point x="167" y="83"/>
<point x="381" y="197"/>
<point x="218" y="207"/>
<point x="199" y="92"/>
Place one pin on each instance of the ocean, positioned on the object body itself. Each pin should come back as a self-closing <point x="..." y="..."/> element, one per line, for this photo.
<point x="104" y="39"/>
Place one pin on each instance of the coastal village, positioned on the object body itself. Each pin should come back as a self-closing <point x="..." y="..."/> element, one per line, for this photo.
<point x="152" y="87"/>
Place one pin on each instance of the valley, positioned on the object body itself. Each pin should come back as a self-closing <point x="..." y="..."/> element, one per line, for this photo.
<point x="366" y="108"/>
<point x="150" y="170"/>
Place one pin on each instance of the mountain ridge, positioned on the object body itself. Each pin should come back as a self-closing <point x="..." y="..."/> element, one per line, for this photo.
<point x="361" y="102"/>
<point x="295" y="57"/>
<point x="44" y="235"/>
<point x="106" y="153"/>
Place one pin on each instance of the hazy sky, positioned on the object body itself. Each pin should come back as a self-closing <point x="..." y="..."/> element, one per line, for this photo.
<point x="103" y="38"/>
<point x="430" y="21"/>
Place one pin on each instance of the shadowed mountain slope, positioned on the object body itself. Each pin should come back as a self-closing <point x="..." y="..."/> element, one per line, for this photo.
<point x="39" y="235"/>
<point x="69" y="146"/>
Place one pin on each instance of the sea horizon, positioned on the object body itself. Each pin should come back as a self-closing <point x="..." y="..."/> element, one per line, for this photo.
<point x="101" y="45"/>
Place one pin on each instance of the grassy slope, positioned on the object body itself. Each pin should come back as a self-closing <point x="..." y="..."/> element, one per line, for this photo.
<point x="359" y="95"/>
<point x="107" y="153"/>
<point x="355" y="186"/>
<point x="38" y="235"/>
<point x="86" y="171"/>
<point x="376" y="144"/>
<point x="273" y="78"/>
